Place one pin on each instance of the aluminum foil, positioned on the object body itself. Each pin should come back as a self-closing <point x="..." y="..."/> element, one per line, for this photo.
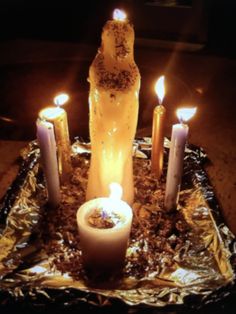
<point x="203" y="269"/>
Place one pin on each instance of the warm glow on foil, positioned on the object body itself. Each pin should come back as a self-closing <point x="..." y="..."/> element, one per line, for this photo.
<point x="38" y="269"/>
<point x="119" y="15"/>
<point x="61" y="99"/>
<point x="160" y="88"/>
<point x="184" y="276"/>
<point x="185" y="114"/>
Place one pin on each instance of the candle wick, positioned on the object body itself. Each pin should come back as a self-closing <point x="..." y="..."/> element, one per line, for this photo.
<point x="181" y="120"/>
<point x="43" y="119"/>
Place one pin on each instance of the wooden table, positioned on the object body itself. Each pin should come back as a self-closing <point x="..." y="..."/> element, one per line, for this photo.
<point x="9" y="153"/>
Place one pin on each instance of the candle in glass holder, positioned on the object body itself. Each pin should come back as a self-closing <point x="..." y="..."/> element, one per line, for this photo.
<point x="58" y="117"/>
<point x="158" y="130"/>
<point x="176" y="157"/>
<point x="104" y="227"/>
<point x="113" y="98"/>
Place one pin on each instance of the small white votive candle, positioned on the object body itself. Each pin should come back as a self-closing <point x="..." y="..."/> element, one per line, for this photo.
<point x="104" y="249"/>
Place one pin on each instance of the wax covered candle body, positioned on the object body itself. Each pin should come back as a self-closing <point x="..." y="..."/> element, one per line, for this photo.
<point x="58" y="117"/>
<point x="104" y="249"/>
<point x="175" y="164"/>
<point x="47" y="144"/>
<point x="176" y="157"/>
<point x="114" y="89"/>
<point x="158" y="130"/>
<point x="158" y="140"/>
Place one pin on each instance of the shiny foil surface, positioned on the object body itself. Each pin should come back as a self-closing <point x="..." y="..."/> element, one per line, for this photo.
<point x="183" y="258"/>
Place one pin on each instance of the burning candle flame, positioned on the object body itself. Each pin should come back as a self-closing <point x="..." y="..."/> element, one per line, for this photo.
<point x="50" y="113"/>
<point x="115" y="195"/>
<point x="184" y="114"/>
<point x="61" y="99"/>
<point x="115" y="191"/>
<point x="160" y="88"/>
<point x="119" y="15"/>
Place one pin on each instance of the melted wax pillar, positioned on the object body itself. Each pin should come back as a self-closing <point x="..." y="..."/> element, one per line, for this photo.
<point x="114" y="90"/>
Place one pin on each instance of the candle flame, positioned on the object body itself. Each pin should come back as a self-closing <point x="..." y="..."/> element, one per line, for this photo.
<point x="119" y="15"/>
<point x="61" y="99"/>
<point x="184" y="114"/>
<point x="50" y="113"/>
<point x="115" y="191"/>
<point x="115" y="195"/>
<point x="160" y="88"/>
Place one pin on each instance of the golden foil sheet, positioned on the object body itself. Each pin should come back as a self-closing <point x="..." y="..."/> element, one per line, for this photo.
<point x="202" y="268"/>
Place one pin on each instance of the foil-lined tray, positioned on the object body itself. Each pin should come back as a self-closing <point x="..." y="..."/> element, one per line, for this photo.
<point x="203" y="270"/>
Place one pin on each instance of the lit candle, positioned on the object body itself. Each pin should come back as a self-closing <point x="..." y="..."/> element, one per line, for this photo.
<point x="158" y="129"/>
<point x="176" y="157"/>
<point x="48" y="152"/>
<point x="58" y="117"/>
<point x="114" y="90"/>
<point x="104" y="247"/>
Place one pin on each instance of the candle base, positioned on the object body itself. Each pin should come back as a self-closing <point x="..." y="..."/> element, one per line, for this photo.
<point x="104" y="249"/>
<point x="97" y="271"/>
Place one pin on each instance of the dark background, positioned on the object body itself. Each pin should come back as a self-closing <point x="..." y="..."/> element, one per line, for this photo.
<point x="72" y="20"/>
<point x="41" y="53"/>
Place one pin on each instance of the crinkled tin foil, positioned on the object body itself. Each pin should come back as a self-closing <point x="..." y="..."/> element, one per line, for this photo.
<point x="20" y="212"/>
<point x="203" y="269"/>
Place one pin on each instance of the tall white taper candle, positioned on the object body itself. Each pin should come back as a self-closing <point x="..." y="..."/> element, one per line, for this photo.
<point x="175" y="164"/>
<point x="176" y="157"/>
<point x="47" y="144"/>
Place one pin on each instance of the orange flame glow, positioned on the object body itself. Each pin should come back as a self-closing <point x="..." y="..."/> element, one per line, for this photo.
<point x="184" y="114"/>
<point x="50" y="113"/>
<point x="119" y="15"/>
<point x="115" y="191"/>
<point x="160" y="88"/>
<point x="61" y="99"/>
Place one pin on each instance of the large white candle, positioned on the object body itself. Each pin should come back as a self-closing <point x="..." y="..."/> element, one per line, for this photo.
<point x="176" y="157"/>
<point x="114" y="88"/>
<point x="48" y="151"/>
<point x="104" y="250"/>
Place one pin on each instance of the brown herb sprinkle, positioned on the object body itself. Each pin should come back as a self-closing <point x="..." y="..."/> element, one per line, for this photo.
<point x="102" y="219"/>
<point x="156" y="236"/>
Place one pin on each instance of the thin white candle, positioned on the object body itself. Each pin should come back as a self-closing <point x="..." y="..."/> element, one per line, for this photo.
<point x="48" y="151"/>
<point x="176" y="157"/>
<point x="104" y="249"/>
